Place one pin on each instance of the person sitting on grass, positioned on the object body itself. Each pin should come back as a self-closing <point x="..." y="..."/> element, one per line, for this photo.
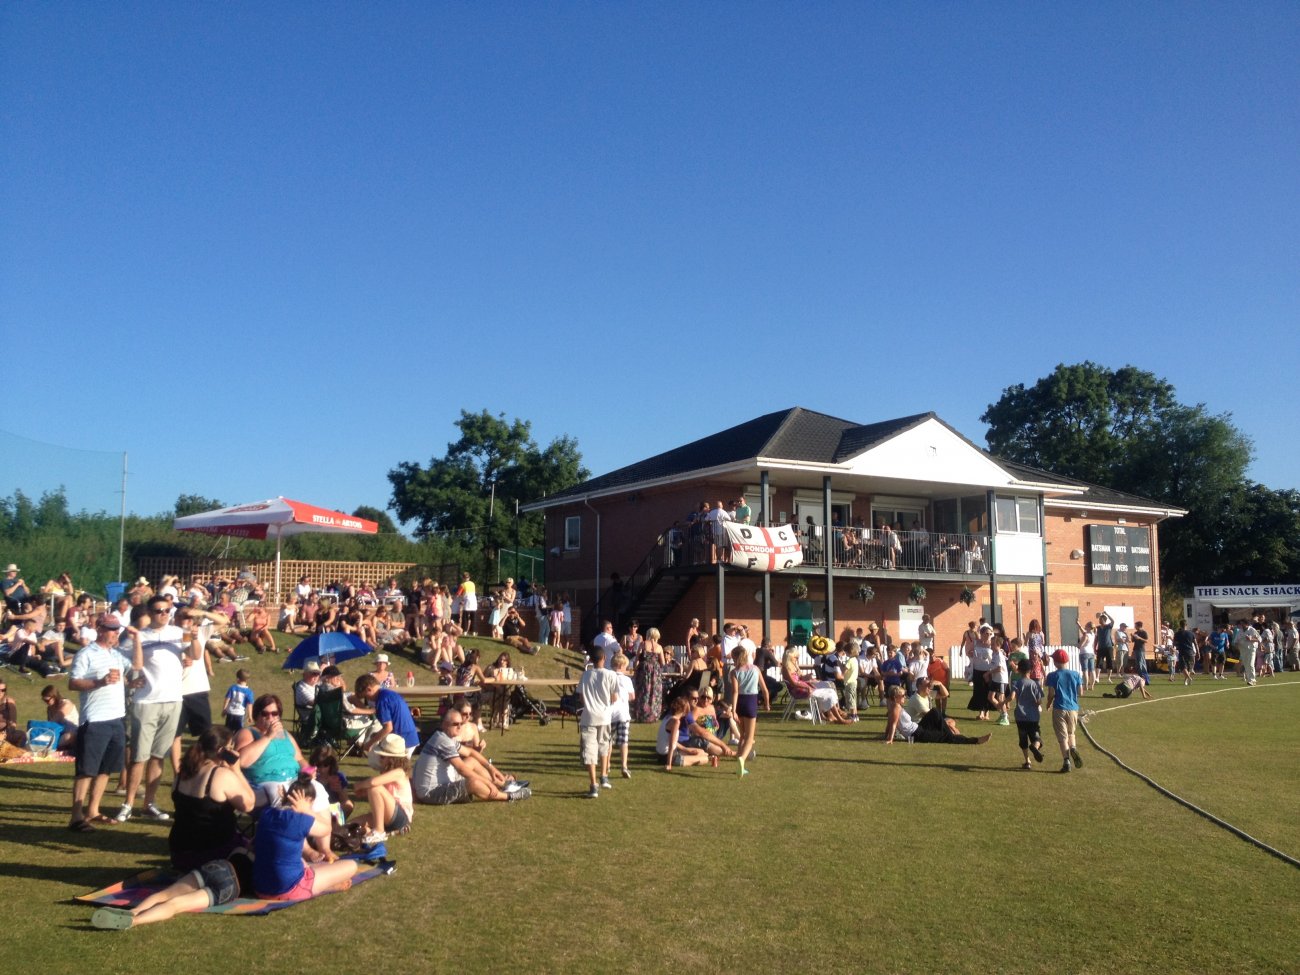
<point x="671" y="742"/>
<point x="279" y="871"/>
<point x="447" y="773"/>
<point x="259" y="629"/>
<point x="389" y="792"/>
<point x="63" y="713"/>
<point x="704" y="730"/>
<point x="208" y="794"/>
<point x="326" y="763"/>
<point x="932" y="728"/>
<point x="925" y="698"/>
<point x="212" y="884"/>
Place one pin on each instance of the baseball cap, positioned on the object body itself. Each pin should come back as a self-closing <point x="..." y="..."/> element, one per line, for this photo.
<point x="1060" y="656"/>
<point x="107" y="621"/>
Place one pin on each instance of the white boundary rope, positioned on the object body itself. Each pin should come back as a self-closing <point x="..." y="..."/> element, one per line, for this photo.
<point x="1234" y="830"/>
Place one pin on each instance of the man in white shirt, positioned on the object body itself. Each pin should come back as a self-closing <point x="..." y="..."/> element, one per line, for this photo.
<point x="599" y="689"/>
<point x="606" y="643"/>
<point x="156" y="709"/>
<point x="99" y="674"/>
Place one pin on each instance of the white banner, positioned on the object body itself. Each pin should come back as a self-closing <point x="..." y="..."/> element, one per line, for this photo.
<point x="909" y="622"/>
<point x="764" y="549"/>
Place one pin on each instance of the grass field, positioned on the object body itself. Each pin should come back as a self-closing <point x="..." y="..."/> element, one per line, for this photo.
<point x="838" y="854"/>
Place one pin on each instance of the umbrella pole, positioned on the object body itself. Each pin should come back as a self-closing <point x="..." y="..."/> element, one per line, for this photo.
<point x="278" y="538"/>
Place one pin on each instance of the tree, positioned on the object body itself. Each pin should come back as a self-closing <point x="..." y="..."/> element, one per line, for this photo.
<point x="1080" y="421"/>
<point x="386" y="524"/>
<point x="472" y="491"/>
<point x="194" y="504"/>
<point x="1124" y="429"/>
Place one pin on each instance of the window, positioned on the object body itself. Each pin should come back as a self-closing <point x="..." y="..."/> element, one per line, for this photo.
<point x="1017" y="516"/>
<point x="572" y="533"/>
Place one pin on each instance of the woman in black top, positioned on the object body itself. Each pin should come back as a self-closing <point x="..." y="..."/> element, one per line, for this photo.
<point x="208" y="794"/>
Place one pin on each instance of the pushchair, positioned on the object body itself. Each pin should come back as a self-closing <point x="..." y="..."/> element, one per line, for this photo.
<point x="524" y="705"/>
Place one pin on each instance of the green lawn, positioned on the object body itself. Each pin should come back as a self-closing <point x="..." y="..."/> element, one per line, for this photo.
<point x="837" y="854"/>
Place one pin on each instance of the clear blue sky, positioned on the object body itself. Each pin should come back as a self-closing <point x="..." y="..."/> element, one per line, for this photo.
<point x="274" y="248"/>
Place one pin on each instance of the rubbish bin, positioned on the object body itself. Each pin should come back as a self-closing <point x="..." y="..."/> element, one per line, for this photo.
<point x="114" y="591"/>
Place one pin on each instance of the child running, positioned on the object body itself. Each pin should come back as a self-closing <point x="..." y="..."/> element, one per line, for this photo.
<point x="1027" y="696"/>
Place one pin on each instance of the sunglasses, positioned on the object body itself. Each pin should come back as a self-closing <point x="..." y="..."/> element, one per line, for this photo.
<point x="270" y="714"/>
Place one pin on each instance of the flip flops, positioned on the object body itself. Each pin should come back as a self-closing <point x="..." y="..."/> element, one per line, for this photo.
<point x="81" y="826"/>
<point x="112" y="919"/>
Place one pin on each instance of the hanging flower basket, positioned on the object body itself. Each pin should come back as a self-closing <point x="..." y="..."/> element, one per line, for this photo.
<point x="798" y="589"/>
<point x="967" y="595"/>
<point x="917" y="594"/>
<point x="864" y="594"/>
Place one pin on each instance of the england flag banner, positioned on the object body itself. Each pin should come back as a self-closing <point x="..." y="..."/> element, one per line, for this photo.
<point x="764" y="549"/>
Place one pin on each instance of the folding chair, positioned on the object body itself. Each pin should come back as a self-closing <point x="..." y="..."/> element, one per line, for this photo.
<point x="330" y="725"/>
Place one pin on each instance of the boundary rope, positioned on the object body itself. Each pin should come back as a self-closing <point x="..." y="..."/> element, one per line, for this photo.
<point x="1084" y="721"/>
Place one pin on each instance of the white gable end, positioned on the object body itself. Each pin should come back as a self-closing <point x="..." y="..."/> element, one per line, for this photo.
<point x="929" y="452"/>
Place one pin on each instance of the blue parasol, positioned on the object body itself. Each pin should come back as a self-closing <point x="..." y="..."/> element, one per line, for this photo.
<point x="340" y="646"/>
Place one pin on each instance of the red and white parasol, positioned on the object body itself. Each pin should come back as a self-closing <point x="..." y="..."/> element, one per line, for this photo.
<point x="278" y="517"/>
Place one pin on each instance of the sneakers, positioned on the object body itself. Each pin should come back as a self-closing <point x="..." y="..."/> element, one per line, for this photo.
<point x="803" y="715"/>
<point x="604" y="782"/>
<point x="513" y="786"/>
<point x="123" y="814"/>
<point x="519" y="795"/>
<point x="1036" y="751"/>
<point x="1076" y="758"/>
<point x="1004" y="721"/>
<point x="1065" y="767"/>
<point x="387" y="867"/>
<point x="593" y="793"/>
<point x="1026" y="766"/>
<point x="153" y="812"/>
<point x="112" y="919"/>
<point x="240" y="656"/>
<point x="627" y="774"/>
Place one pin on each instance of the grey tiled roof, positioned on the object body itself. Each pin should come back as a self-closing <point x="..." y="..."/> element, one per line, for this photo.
<point x="797" y="434"/>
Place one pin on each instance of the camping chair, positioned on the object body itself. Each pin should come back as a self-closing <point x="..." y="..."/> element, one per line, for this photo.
<point x="330" y="725"/>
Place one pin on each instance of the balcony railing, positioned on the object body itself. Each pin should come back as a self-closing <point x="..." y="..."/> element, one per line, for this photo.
<point x="849" y="548"/>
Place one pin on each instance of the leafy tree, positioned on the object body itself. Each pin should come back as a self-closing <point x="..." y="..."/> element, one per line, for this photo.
<point x="471" y="492"/>
<point x="1124" y="429"/>
<point x="195" y="504"/>
<point x="386" y="524"/>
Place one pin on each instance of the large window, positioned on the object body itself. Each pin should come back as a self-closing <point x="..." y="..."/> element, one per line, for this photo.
<point x="572" y="533"/>
<point x="1017" y="516"/>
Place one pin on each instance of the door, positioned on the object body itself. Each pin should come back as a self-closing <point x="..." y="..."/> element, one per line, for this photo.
<point x="1068" y="635"/>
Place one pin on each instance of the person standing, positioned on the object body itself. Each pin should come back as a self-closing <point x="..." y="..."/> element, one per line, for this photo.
<point x="1105" y="644"/>
<point x="1140" y="639"/>
<point x="156" y="709"/>
<point x="1185" y="645"/>
<point x="1027" y="696"/>
<point x="99" y="674"/>
<point x="599" y="690"/>
<point x="1062" y="699"/>
<point x="746" y="686"/>
<point x="466" y="602"/>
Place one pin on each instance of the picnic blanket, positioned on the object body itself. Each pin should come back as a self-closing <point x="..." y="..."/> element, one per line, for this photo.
<point x="134" y="889"/>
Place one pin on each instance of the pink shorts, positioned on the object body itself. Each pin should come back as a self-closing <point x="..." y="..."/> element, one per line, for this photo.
<point x="300" y="891"/>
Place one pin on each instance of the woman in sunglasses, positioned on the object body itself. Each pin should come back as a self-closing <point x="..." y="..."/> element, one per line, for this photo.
<point x="267" y="752"/>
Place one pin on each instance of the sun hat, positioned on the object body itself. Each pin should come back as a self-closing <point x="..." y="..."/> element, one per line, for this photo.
<point x="381" y="658"/>
<point x="11" y="567"/>
<point x="446" y="665"/>
<point x="311" y="667"/>
<point x="393" y="746"/>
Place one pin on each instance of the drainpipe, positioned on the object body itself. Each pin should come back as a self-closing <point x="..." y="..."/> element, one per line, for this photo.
<point x="826" y="554"/>
<point x="599" y="608"/>
<point x="722" y="600"/>
<point x="994" y="608"/>
<point x="764" y="522"/>
<point x="1042" y="586"/>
